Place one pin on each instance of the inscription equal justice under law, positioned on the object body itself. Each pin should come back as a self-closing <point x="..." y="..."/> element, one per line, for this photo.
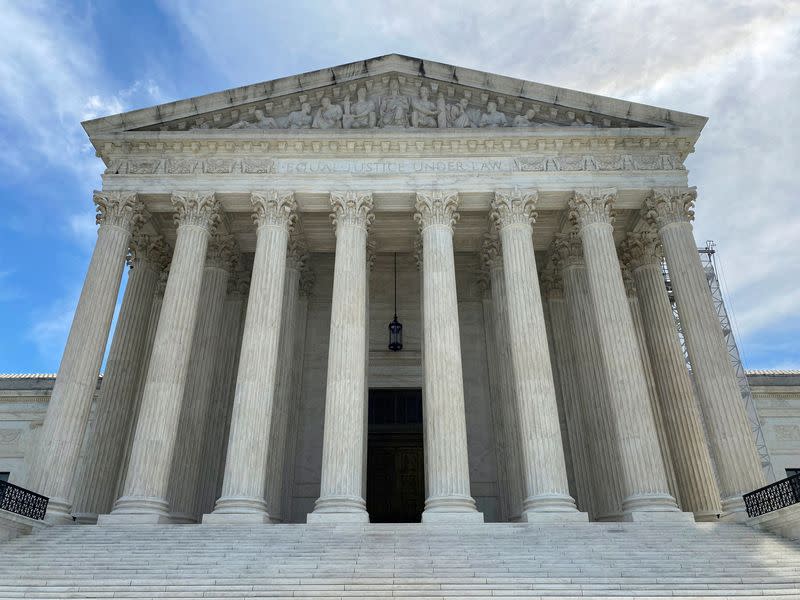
<point x="387" y="167"/>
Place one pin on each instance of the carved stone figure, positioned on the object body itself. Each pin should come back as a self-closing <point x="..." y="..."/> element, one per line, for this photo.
<point x="329" y="116"/>
<point x="525" y="120"/>
<point x="300" y="119"/>
<point x="394" y="107"/>
<point x="261" y="122"/>
<point x="493" y="117"/>
<point x="459" y="115"/>
<point x="424" y="113"/>
<point x="360" y="114"/>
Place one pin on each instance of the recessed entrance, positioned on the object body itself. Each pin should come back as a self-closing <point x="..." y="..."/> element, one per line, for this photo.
<point x="395" y="464"/>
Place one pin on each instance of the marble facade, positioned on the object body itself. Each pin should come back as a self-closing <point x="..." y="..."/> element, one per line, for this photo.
<point x="259" y="224"/>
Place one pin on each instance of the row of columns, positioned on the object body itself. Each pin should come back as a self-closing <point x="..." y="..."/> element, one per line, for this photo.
<point x="610" y="411"/>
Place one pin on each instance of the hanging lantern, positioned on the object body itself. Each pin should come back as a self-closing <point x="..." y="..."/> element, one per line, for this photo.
<point x="395" y="327"/>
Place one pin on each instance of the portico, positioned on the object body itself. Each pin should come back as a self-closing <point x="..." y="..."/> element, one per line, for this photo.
<point x="238" y="392"/>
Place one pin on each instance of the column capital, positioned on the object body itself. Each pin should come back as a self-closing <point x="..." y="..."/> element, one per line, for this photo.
<point x="223" y="252"/>
<point x="436" y="207"/>
<point x="307" y="279"/>
<point x="161" y="286"/>
<point x="514" y="207"/>
<point x="239" y="284"/>
<point x="296" y="253"/>
<point x="352" y="208"/>
<point x="627" y="277"/>
<point x="197" y="209"/>
<point x="419" y="255"/>
<point x="641" y="248"/>
<point x="119" y="209"/>
<point x="552" y="281"/>
<point x="567" y="250"/>
<point x="589" y="206"/>
<point x="492" y="252"/>
<point x="371" y="254"/>
<point x="274" y="208"/>
<point x="148" y="251"/>
<point x="670" y="205"/>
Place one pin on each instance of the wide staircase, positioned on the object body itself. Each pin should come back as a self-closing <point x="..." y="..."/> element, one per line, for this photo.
<point x="594" y="560"/>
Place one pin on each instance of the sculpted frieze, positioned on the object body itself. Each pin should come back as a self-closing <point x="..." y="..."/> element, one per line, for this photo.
<point x="396" y="103"/>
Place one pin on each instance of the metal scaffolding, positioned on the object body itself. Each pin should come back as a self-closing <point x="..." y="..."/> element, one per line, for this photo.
<point x="707" y="258"/>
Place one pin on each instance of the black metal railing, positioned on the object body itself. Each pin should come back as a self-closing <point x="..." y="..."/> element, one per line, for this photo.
<point x="21" y="501"/>
<point x="774" y="496"/>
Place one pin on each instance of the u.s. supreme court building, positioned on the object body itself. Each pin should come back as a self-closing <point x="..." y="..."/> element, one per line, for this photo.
<point x="515" y="231"/>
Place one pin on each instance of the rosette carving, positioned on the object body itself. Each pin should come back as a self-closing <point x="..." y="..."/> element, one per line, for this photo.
<point x="119" y="209"/>
<point x="514" y="207"/>
<point x="436" y="208"/>
<point x="352" y="208"/>
<point x="670" y="205"/>
<point x="592" y="205"/>
<point x="197" y="209"/>
<point x="274" y="208"/>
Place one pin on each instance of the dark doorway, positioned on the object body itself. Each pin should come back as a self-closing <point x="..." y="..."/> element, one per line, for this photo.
<point x="395" y="464"/>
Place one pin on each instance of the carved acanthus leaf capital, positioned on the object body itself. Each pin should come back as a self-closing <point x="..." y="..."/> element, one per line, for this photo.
<point x="274" y="208"/>
<point x="147" y="250"/>
<point x="419" y="254"/>
<point x="551" y="279"/>
<point x="239" y="284"/>
<point x="436" y="208"/>
<point x="198" y="209"/>
<point x="307" y="279"/>
<point x="223" y="252"/>
<point x="161" y="287"/>
<point x="119" y="209"/>
<point x="352" y="208"/>
<point x="670" y="205"/>
<point x="514" y="207"/>
<point x="567" y="250"/>
<point x="296" y="253"/>
<point x="627" y="277"/>
<point x="492" y="252"/>
<point x="592" y="205"/>
<point x="371" y="254"/>
<point x="641" y="248"/>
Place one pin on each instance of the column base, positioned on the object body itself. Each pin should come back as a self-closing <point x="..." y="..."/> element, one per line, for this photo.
<point x="136" y="510"/>
<point x="707" y="516"/>
<point x="432" y="517"/>
<point x="238" y="509"/>
<point x="182" y="518"/>
<point x="339" y="509"/>
<point x="733" y="510"/>
<point x="85" y="518"/>
<point x="59" y="512"/>
<point x="554" y="516"/>
<point x="658" y="516"/>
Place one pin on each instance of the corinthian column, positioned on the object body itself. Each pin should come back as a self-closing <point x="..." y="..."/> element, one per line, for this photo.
<point x="683" y="423"/>
<point x="184" y="495"/>
<point x="295" y="257"/>
<point x="52" y="473"/>
<point x="645" y="488"/>
<point x="117" y="399"/>
<point x="341" y="485"/>
<point x="243" y="487"/>
<point x="567" y="364"/>
<point x="493" y="257"/>
<point x="144" y="497"/>
<point x="543" y="466"/>
<point x="732" y="447"/>
<point x="447" y="468"/>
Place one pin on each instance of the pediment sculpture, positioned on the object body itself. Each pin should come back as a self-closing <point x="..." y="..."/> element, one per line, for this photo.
<point x="394" y="109"/>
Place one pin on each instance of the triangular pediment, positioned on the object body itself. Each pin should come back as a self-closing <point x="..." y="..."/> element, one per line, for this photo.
<point x="393" y="92"/>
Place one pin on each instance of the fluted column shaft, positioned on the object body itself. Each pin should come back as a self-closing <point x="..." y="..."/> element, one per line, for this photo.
<point x="683" y="422"/>
<point x="447" y="468"/>
<point x="64" y="427"/>
<point x="224" y="383"/>
<point x="145" y="491"/>
<point x="280" y="421"/>
<point x="644" y="478"/>
<point x="117" y="398"/>
<point x="243" y="487"/>
<point x="570" y="390"/>
<point x="183" y="494"/>
<point x="505" y="370"/>
<point x="730" y="437"/>
<point x="543" y="465"/>
<point x="341" y="486"/>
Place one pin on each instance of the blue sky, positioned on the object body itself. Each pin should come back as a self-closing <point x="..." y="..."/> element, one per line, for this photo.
<point x="62" y="62"/>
